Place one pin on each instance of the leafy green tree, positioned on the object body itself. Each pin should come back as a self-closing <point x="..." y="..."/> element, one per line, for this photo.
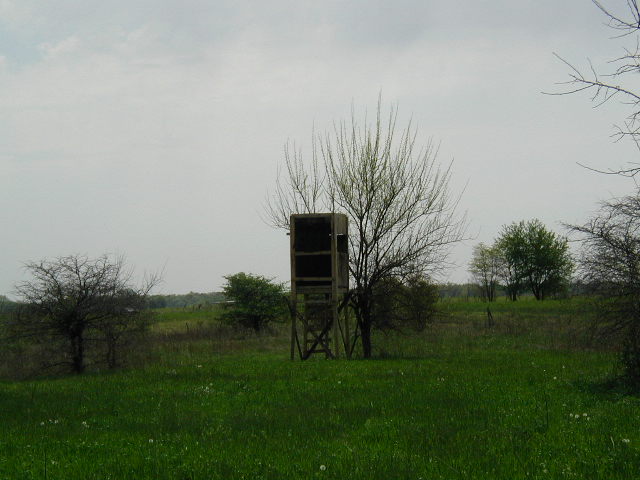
<point x="253" y="301"/>
<point x="536" y="259"/>
<point x="511" y="244"/>
<point x="487" y="266"/>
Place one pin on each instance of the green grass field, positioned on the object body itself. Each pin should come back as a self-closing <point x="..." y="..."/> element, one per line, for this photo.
<point x="458" y="401"/>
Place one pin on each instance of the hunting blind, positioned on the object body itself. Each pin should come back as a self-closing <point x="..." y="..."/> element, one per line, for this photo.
<point x="319" y="283"/>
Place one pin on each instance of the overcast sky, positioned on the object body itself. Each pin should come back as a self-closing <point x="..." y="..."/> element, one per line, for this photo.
<point x="155" y="128"/>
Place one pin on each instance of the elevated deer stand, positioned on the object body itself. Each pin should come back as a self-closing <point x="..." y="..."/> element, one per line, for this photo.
<point x="319" y="284"/>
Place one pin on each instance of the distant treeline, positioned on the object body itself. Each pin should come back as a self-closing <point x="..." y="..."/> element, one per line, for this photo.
<point x="194" y="299"/>
<point x="191" y="299"/>
<point x="472" y="290"/>
<point x="6" y="305"/>
<point x="465" y="290"/>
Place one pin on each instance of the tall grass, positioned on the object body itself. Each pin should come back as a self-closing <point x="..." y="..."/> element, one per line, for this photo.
<point x="460" y="400"/>
<point x="491" y="414"/>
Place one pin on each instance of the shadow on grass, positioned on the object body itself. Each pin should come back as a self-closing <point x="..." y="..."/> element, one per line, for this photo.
<point x="612" y="388"/>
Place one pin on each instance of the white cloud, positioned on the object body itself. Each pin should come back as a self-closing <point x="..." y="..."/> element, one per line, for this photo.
<point x="68" y="46"/>
<point x="156" y="128"/>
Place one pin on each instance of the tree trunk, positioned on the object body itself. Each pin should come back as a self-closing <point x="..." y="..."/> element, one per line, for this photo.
<point x="365" y="333"/>
<point x="255" y="323"/>
<point x="537" y="292"/>
<point x="362" y="306"/>
<point x="77" y="352"/>
<point x="111" y="352"/>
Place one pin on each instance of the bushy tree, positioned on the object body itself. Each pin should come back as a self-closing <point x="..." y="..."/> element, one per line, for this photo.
<point x="535" y="258"/>
<point x="129" y="319"/>
<point x="418" y="302"/>
<point x="253" y="301"/>
<point x="402" y="217"/>
<point x="81" y="303"/>
<point x="487" y="267"/>
<point x="399" y="305"/>
<point x="610" y="268"/>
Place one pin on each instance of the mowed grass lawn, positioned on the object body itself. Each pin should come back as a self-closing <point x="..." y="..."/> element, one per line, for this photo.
<point x="479" y="406"/>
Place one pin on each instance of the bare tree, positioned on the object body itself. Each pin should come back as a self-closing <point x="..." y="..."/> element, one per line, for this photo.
<point x="619" y="82"/>
<point x="402" y="216"/>
<point x="80" y="300"/>
<point x="610" y="267"/>
<point x="129" y="319"/>
<point x="487" y="267"/>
